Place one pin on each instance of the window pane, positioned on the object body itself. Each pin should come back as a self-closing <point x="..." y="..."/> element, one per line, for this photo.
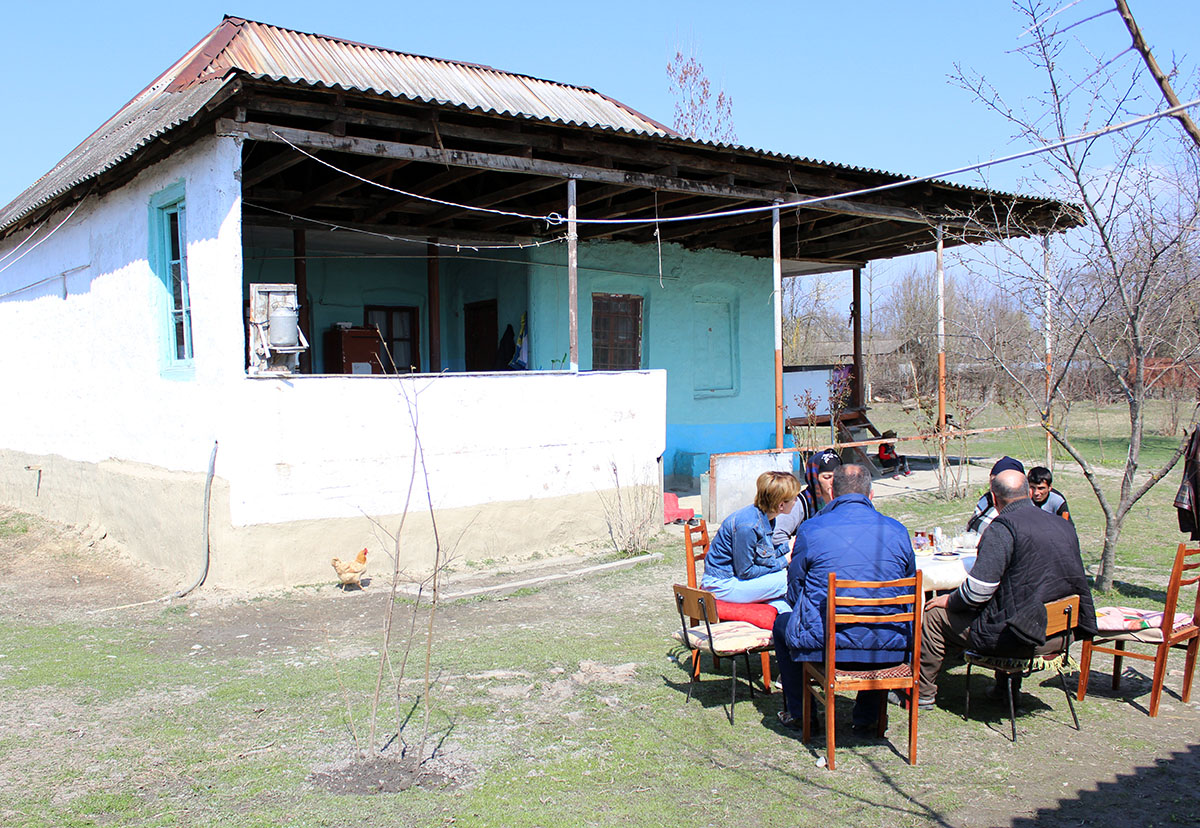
<point x="616" y="332"/>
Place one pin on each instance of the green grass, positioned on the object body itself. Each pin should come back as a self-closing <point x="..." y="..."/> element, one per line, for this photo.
<point x="121" y="723"/>
<point x="14" y="524"/>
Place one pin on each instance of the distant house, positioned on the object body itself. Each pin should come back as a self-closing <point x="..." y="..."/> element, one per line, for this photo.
<point x="307" y="252"/>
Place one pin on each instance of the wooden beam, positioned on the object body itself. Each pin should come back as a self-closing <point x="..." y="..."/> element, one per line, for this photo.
<point x="315" y="141"/>
<point x="409" y="232"/>
<point x="344" y="183"/>
<point x="494" y="197"/>
<point x="434" y="288"/>
<point x="428" y="187"/>
<point x="283" y="160"/>
<point x="300" y="268"/>
<point x="572" y="277"/>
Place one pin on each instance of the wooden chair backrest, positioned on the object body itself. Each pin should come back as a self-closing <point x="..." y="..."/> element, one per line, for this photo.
<point x="912" y="596"/>
<point x="1183" y="565"/>
<point x="696" y="604"/>
<point x="695" y="544"/>
<point x="1062" y="615"/>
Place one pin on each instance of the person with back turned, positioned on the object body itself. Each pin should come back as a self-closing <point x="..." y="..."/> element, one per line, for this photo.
<point x="1026" y="559"/>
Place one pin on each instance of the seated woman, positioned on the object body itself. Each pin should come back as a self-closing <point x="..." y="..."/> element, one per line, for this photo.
<point x="743" y="564"/>
<point x="889" y="459"/>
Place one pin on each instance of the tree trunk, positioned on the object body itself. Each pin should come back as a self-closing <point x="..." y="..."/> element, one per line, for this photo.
<point x="1108" y="557"/>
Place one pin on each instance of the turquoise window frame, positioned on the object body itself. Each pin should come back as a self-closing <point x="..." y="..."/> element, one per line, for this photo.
<point x="168" y="260"/>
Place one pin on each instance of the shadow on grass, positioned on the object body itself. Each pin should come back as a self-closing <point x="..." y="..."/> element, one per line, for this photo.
<point x="1167" y="788"/>
<point x="1128" y="590"/>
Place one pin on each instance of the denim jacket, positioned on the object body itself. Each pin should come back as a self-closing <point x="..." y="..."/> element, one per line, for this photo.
<point x="742" y="548"/>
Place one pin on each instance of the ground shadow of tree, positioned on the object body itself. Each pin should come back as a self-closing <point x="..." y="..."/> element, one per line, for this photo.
<point x="1160" y="794"/>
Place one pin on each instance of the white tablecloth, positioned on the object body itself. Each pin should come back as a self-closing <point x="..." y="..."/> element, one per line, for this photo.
<point x="944" y="573"/>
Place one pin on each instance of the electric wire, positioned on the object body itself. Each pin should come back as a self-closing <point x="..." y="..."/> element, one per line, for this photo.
<point x="554" y="219"/>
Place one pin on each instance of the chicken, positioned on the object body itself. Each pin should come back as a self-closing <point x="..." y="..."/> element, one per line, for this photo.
<point x="349" y="572"/>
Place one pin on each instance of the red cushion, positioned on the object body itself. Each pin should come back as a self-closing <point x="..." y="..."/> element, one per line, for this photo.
<point x="760" y="615"/>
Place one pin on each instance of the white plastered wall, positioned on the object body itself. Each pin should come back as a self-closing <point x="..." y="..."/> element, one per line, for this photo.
<point x="517" y="463"/>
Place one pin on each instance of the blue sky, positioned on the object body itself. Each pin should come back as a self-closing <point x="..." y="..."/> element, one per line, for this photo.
<point x="860" y="83"/>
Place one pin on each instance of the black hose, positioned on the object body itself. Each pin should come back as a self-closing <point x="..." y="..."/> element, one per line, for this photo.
<point x="212" y="466"/>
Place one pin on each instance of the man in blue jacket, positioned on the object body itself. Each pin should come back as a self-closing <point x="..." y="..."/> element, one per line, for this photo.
<point x="850" y="538"/>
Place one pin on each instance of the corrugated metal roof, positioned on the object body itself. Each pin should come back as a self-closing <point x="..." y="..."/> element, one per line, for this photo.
<point x="239" y="46"/>
<point x="265" y="51"/>
<point x="151" y="114"/>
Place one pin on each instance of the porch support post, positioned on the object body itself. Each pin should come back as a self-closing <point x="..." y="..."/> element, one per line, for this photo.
<point x="777" y="311"/>
<point x="859" y="398"/>
<point x="300" y="269"/>
<point x="1046" y="324"/>
<point x="572" y="276"/>
<point x="435" y="307"/>
<point x="941" y="338"/>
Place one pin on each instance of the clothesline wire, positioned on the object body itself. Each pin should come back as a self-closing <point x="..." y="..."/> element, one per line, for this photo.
<point x="392" y="237"/>
<point x="553" y="219"/>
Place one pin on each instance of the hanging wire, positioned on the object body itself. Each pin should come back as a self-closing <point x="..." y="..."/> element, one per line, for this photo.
<point x="454" y="245"/>
<point x="554" y="219"/>
<point x="42" y="239"/>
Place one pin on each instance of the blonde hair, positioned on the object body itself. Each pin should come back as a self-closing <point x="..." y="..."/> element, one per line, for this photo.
<point x="774" y="489"/>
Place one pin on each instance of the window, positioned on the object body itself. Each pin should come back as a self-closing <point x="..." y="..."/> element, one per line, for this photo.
<point x="616" y="332"/>
<point x="398" y="327"/>
<point x="168" y="256"/>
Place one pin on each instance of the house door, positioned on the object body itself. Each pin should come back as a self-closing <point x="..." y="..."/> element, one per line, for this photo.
<point x="482" y="336"/>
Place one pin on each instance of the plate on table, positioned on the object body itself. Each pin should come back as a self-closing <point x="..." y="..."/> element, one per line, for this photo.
<point x="945" y="555"/>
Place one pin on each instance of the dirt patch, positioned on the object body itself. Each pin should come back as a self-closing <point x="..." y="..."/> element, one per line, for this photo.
<point x="380" y="776"/>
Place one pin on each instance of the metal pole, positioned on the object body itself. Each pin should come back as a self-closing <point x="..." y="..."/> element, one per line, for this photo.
<point x="572" y="276"/>
<point x="859" y="397"/>
<point x="777" y="305"/>
<point x="1046" y="324"/>
<point x="941" y="337"/>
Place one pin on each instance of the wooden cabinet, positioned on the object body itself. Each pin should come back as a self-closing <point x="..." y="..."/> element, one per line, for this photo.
<point x="352" y="351"/>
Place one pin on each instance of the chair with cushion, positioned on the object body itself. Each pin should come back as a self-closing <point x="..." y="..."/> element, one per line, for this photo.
<point x="702" y="631"/>
<point x="1062" y="616"/>
<point x="695" y="544"/>
<point x="1162" y="630"/>
<point x="823" y="681"/>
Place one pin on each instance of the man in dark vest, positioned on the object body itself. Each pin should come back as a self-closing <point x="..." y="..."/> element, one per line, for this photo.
<point x="1027" y="558"/>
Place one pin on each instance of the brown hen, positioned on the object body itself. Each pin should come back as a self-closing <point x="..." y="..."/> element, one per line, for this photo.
<point x="350" y="572"/>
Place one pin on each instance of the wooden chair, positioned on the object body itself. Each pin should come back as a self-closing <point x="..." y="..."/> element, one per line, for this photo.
<point x="722" y="639"/>
<point x="822" y="682"/>
<point x="1062" y="616"/>
<point x="1174" y="630"/>
<point x="695" y="544"/>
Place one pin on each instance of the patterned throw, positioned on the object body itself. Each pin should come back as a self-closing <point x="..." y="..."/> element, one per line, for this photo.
<point x="1124" y="619"/>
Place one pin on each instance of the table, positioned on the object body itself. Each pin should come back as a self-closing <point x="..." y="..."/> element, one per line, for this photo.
<point x="945" y="573"/>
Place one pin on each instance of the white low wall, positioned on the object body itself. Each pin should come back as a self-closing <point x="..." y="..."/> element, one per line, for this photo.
<point x="342" y="446"/>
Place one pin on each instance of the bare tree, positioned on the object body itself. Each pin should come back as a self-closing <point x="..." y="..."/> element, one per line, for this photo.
<point x="697" y="113"/>
<point x="1124" y="286"/>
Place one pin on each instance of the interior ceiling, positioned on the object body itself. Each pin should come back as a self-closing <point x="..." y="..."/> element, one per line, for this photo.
<point x="517" y="166"/>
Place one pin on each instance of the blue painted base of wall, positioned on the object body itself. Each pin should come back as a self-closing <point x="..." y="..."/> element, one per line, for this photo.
<point x="688" y="446"/>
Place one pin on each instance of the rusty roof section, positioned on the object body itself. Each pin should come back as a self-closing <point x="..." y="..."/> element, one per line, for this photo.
<point x="238" y="46"/>
<point x="270" y="52"/>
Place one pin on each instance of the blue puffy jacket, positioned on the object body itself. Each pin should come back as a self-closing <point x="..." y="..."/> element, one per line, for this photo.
<point x="848" y="537"/>
<point x="742" y="548"/>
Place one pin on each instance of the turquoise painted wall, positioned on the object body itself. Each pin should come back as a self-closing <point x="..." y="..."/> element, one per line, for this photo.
<point x="340" y="288"/>
<point x="708" y="323"/>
